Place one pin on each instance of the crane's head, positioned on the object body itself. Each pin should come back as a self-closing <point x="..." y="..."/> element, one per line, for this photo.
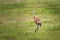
<point x="33" y="16"/>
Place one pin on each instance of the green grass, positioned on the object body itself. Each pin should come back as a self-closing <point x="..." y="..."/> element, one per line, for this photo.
<point x="16" y="21"/>
<point x="12" y="6"/>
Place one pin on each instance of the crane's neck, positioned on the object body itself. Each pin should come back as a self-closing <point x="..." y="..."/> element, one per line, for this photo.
<point x="33" y="13"/>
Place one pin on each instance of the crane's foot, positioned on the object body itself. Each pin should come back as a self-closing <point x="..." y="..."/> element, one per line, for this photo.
<point x="35" y="30"/>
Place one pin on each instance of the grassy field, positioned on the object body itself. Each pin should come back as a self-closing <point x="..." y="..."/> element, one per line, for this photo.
<point x="16" y="20"/>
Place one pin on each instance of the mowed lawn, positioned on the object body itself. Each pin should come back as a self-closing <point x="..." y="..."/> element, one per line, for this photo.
<point x="16" y="21"/>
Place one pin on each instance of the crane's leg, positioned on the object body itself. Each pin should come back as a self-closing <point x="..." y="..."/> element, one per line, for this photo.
<point x="40" y="24"/>
<point x="36" y="29"/>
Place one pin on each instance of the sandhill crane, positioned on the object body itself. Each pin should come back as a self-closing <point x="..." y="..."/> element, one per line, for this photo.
<point x="37" y="21"/>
